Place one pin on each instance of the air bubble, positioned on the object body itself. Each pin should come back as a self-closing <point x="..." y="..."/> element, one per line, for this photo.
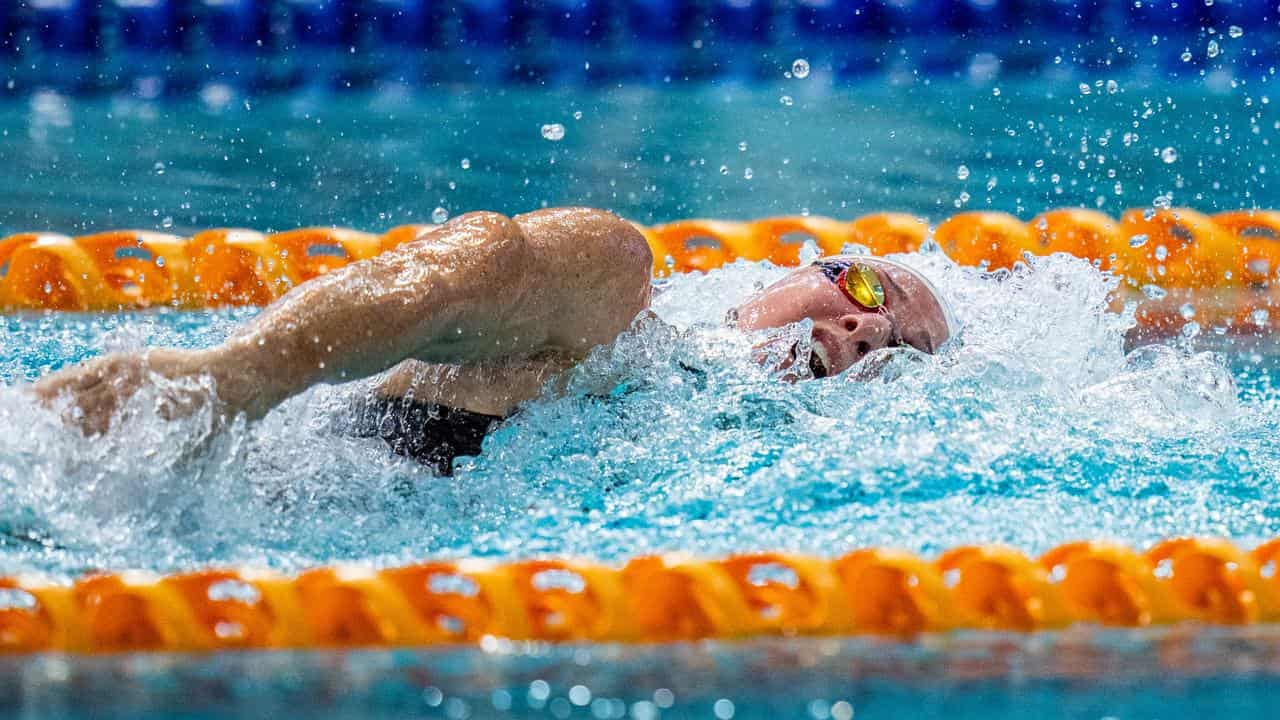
<point x="1139" y="240"/>
<point x="1169" y="155"/>
<point x="962" y="173"/>
<point x="800" y="68"/>
<point x="786" y="100"/>
<point x="1235" y="31"/>
<point x="439" y="215"/>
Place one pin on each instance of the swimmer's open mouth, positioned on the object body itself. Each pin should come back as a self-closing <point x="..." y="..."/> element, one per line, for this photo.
<point x="816" y="366"/>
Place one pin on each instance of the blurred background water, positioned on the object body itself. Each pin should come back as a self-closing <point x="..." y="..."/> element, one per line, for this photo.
<point x="377" y="158"/>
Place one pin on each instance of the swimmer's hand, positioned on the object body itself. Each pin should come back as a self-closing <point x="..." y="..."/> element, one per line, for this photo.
<point x="93" y="393"/>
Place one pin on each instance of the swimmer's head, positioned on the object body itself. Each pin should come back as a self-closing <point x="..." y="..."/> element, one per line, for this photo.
<point x="857" y="304"/>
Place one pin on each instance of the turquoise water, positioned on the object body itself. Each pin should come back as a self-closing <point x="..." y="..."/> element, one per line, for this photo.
<point x="1038" y="426"/>
<point x="1044" y="423"/>
<point x="1109" y="675"/>
<point x="653" y="153"/>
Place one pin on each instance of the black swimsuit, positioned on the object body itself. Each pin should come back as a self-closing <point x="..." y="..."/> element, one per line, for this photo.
<point x="431" y="434"/>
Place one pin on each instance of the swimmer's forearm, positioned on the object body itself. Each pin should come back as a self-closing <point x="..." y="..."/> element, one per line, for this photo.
<point x="447" y="298"/>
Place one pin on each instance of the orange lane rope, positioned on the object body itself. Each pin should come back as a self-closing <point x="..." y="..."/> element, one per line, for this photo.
<point x="649" y="599"/>
<point x="1179" y="250"/>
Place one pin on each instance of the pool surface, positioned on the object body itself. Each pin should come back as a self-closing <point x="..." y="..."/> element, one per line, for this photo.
<point x="1045" y="423"/>
<point x="1124" y="675"/>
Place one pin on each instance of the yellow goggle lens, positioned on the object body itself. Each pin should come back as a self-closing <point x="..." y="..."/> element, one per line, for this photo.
<point x="862" y="284"/>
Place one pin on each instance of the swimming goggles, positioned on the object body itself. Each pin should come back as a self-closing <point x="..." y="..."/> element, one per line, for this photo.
<point x="861" y="283"/>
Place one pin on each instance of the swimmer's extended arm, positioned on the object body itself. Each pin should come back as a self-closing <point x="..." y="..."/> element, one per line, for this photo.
<point x="481" y="287"/>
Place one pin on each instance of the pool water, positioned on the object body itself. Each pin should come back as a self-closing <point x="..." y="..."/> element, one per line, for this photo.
<point x="1042" y="425"/>
<point x="381" y="157"/>
<point x="1038" y="426"/>
<point x="1045" y="422"/>
<point x="969" y="676"/>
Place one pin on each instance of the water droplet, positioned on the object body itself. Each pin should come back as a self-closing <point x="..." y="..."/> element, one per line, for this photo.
<point x="1212" y="49"/>
<point x="232" y="589"/>
<point x="1169" y="155"/>
<point x="800" y="68"/>
<point x="1235" y="31"/>
<point x="17" y="599"/>
<point x="786" y="100"/>
<point x="1191" y="329"/>
<point x="1260" y="317"/>
<point x="1154" y="292"/>
<point x="439" y="215"/>
<point x="1186" y="56"/>
<point x="991" y="184"/>
<point x="158" y="168"/>
<point x="1138" y="241"/>
<point x="1112" y="87"/>
<point x="466" y="163"/>
<point x="166" y="222"/>
<point x="742" y="146"/>
<point x="724" y="169"/>
<point x="962" y="172"/>
<point x="748" y="174"/>
<point x="1188" y="311"/>
<point x="1162" y="253"/>
<point x="1085" y="89"/>
<point x="577" y="114"/>
<point x="553" y="132"/>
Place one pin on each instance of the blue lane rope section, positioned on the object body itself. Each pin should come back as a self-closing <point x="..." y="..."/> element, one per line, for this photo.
<point x="72" y="43"/>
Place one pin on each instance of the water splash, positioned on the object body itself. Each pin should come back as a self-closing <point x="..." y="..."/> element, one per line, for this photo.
<point x="1034" y="427"/>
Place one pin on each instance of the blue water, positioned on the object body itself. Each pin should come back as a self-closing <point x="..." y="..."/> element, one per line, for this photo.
<point x="1044" y="423"/>
<point x="1123" y="675"/>
<point x="892" y="141"/>
<point x="1038" y="426"/>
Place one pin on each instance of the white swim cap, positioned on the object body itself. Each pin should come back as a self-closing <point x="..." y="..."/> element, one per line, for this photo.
<point x="948" y="315"/>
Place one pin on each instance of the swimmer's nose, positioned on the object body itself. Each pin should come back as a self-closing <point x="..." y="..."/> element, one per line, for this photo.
<point x="865" y="331"/>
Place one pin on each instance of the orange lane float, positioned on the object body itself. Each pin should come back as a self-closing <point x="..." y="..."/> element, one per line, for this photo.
<point x="648" y="599"/>
<point x="1234" y="254"/>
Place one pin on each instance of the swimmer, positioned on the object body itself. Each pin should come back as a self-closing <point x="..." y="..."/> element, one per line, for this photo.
<point x="471" y="319"/>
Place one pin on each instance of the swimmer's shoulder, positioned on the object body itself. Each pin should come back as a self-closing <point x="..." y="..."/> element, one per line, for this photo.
<point x="589" y="237"/>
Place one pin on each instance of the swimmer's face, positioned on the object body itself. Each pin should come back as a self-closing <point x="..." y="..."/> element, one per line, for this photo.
<point x="843" y="331"/>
